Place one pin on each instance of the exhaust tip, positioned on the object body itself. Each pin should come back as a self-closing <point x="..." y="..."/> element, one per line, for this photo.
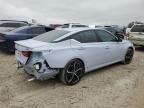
<point x="31" y="79"/>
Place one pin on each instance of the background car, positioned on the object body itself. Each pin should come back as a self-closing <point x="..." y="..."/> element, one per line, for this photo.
<point x="7" y="38"/>
<point x="73" y="25"/>
<point x="117" y="31"/>
<point x="131" y="24"/>
<point x="136" y="34"/>
<point x="71" y="53"/>
<point x="8" y="25"/>
<point x="55" y="25"/>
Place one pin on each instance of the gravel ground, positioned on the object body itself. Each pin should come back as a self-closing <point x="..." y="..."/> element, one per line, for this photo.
<point x="116" y="86"/>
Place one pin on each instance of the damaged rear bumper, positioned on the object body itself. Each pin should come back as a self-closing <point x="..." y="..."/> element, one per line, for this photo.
<point x="43" y="74"/>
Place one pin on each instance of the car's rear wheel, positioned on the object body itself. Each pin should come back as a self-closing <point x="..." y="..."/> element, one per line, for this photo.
<point x="129" y="56"/>
<point x="72" y="73"/>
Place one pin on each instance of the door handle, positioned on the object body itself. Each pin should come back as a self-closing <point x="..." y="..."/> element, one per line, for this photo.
<point x="81" y="48"/>
<point x="107" y="47"/>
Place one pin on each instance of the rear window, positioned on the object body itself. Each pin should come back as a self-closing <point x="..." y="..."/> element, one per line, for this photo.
<point x="51" y="36"/>
<point x="138" y="28"/>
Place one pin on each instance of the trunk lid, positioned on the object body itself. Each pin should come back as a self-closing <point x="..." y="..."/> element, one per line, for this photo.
<point x="29" y="45"/>
<point x="25" y="48"/>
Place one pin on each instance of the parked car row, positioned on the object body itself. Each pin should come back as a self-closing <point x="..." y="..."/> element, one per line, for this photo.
<point x="8" y="25"/>
<point x="69" y="51"/>
<point x="12" y="30"/>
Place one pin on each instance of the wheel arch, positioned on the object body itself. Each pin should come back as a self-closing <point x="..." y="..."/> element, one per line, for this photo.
<point x="131" y="48"/>
<point x="81" y="62"/>
<point x="80" y="59"/>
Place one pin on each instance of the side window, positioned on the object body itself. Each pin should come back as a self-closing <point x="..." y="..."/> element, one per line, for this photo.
<point x="23" y="24"/>
<point x="137" y="28"/>
<point x="105" y="36"/>
<point x="15" y="25"/>
<point x="36" y="30"/>
<point x="88" y="36"/>
<point x="48" y="29"/>
<point x="77" y="37"/>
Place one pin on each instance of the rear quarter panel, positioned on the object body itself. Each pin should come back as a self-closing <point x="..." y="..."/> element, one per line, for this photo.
<point x="60" y="55"/>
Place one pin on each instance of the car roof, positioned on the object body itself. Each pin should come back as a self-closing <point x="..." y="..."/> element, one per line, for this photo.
<point x="72" y="23"/>
<point x="13" y="21"/>
<point x="79" y="29"/>
<point x="27" y="27"/>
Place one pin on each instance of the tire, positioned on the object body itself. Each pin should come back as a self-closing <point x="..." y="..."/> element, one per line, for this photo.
<point x="128" y="56"/>
<point x="72" y="73"/>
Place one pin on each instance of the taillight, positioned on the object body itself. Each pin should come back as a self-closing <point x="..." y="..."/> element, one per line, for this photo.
<point x="26" y="53"/>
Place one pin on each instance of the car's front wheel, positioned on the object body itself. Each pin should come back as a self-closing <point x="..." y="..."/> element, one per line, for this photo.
<point x="128" y="56"/>
<point x="72" y="73"/>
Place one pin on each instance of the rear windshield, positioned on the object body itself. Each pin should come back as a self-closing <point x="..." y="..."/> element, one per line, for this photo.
<point x="51" y="36"/>
<point x="138" y="28"/>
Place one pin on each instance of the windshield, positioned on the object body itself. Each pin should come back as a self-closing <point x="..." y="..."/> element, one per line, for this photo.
<point x="138" y="28"/>
<point x="51" y="36"/>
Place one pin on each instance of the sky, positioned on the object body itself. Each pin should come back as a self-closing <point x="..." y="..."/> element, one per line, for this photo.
<point x="96" y="12"/>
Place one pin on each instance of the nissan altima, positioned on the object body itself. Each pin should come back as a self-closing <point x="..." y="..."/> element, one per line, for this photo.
<point x="70" y="53"/>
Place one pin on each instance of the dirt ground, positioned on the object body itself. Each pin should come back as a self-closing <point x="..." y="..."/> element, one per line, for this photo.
<point x="116" y="86"/>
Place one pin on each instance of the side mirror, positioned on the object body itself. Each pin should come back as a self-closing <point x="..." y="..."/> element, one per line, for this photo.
<point x="119" y="39"/>
<point x="120" y="35"/>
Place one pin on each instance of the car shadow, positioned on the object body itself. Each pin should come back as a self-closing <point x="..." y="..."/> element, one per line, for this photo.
<point x="6" y="52"/>
<point x="40" y="83"/>
<point x="101" y="70"/>
<point x="55" y="82"/>
<point x="139" y="48"/>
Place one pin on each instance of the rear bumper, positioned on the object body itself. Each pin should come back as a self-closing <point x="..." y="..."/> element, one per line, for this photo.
<point x="44" y="74"/>
<point x="37" y="66"/>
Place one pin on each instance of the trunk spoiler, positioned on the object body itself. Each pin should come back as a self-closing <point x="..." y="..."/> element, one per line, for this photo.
<point x="29" y="45"/>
